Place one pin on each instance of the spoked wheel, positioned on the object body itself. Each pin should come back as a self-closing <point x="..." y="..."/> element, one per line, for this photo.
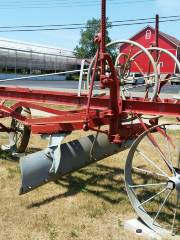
<point x="133" y="83"/>
<point x="161" y="62"/>
<point x="152" y="177"/>
<point x="21" y="134"/>
<point x="123" y="66"/>
<point x="153" y="78"/>
<point x="147" y="81"/>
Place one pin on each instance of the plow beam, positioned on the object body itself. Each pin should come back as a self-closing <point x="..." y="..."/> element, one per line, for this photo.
<point x="36" y="167"/>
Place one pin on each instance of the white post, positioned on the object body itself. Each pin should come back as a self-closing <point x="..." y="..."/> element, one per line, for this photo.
<point x="81" y="77"/>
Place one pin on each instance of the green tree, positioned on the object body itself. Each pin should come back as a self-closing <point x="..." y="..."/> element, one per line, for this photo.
<point x="87" y="48"/>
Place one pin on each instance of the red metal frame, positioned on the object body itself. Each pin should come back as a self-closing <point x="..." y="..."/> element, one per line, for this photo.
<point x="91" y="112"/>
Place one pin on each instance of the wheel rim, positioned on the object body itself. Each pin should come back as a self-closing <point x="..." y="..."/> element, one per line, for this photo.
<point x="21" y="134"/>
<point x="160" y="52"/>
<point x="155" y="90"/>
<point x="152" y="178"/>
<point x="149" y="56"/>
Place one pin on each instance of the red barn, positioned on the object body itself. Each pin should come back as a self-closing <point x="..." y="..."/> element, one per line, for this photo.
<point x="146" y="37"/>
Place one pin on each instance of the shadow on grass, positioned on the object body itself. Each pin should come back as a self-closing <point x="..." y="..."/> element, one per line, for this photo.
<point x="7" y="156"/>
<point x="102" y="181"/>
<point x="107" y="183"/>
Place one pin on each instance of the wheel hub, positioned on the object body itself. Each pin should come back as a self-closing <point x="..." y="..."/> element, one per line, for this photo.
<point x="174" y="182"/>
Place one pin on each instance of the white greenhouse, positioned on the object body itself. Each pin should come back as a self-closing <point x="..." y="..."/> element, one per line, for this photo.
<point x="24" y="57"/>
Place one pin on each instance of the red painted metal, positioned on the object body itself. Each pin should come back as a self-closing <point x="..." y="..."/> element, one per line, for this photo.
<point x="44" y="109"/>
<point x="90" y="91"/>
<point x="103" y="35"/>
<point x="90" y="112"/>
<point x="98" y="116"/>
<point x="52" y="97"/>
<point x="168" y="107"/>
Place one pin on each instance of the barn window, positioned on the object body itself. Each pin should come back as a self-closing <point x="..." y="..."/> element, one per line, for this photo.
<point x="148" y="34"/>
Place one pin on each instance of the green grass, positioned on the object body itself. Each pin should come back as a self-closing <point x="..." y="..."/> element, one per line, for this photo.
<point x="84" y="205"/>
<point x="89" y="204"/>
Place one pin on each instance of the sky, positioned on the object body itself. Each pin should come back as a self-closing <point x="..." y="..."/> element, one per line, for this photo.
<point x="42" y="12"/>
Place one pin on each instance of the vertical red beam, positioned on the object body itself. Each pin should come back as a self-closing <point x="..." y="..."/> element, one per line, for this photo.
<point x="157" y="34"/>
<point x="112" y="81"/>
<point x="103" y="35"/>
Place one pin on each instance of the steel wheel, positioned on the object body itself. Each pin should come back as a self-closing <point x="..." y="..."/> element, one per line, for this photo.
<point x="149" y="89"/>
<point x="143" y="82"/>
<point x="20" y="136"/>
<point x="154" y="76"/>
<point x="123" y="66"/>
<point x="152" y="178"/>
<point x="157" y="54"/>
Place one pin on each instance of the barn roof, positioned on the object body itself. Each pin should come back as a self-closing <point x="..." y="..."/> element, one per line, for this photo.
<point x="170" y="38"/>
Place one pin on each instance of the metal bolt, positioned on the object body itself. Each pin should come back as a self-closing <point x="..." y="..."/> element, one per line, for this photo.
<point x="170" y="185"/>
<point x="139" y="230"/>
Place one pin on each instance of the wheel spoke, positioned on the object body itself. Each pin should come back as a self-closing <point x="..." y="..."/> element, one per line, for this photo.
<point x="168" y="164"/>
<point x="150" y="172"/>
<point x="159" y="56"/>
<point x="158" y="149"/>
<point x="174" y="215"/>
<point x="147" y="185"/>
<point x="178" y="158"/>
<point x="162" y="205"/>
<point x="170" y="156"/>
<point x="137" y="65"/>
<point x="128" y="57"/>
<point x="168" y="141"/>
<point x="150" y="161"/>
<point x="164" y="134"/>
<point x="149" y="199"/>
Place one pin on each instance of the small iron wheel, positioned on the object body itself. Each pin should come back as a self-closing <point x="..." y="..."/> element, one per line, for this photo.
<point x="21" y="134"/>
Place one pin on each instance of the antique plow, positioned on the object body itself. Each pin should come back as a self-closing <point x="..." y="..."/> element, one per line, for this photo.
<point x="119" y="119"/>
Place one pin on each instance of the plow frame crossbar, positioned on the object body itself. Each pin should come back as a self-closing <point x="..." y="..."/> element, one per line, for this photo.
<point x="65" y="121"/>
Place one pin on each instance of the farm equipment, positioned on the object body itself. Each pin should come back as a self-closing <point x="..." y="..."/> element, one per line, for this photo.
<point x="119" y="120"/>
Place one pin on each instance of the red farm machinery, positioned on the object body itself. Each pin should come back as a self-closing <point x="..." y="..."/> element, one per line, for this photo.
<point x="120" y="120"/>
